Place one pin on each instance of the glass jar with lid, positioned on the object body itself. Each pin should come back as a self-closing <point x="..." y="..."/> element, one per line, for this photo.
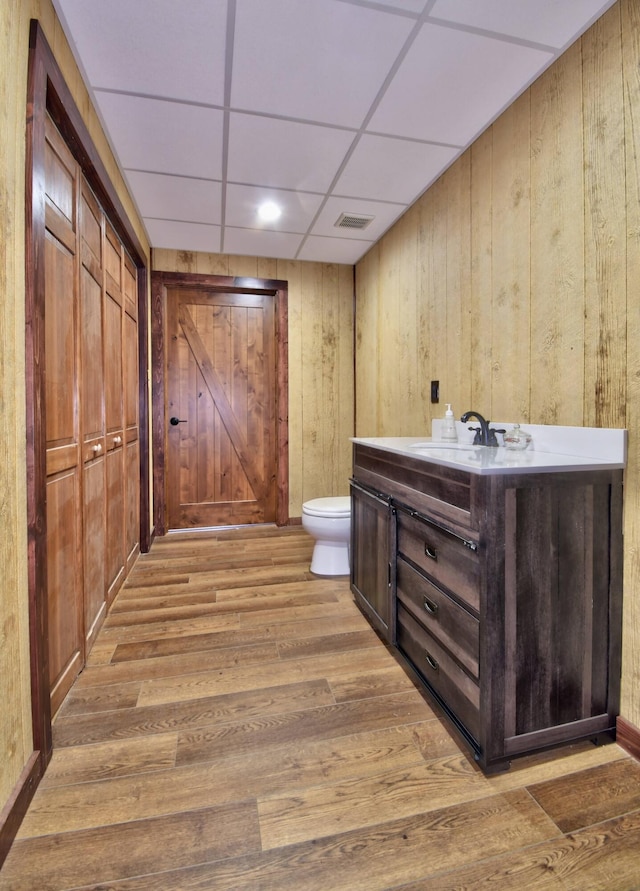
<point x="516" y="438"/>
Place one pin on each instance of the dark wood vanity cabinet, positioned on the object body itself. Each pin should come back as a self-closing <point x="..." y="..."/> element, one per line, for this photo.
<point x="504" y="596"/>
<point x="373" y="556"/>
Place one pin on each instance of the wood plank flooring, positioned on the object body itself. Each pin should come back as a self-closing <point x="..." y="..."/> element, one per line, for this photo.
<point x="240" y="727"/>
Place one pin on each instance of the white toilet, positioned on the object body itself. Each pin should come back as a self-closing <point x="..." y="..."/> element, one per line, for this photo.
<point x="328" y="520"/>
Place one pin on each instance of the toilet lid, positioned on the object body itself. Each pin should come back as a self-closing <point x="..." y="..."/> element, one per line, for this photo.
<point x="328" y="507"/>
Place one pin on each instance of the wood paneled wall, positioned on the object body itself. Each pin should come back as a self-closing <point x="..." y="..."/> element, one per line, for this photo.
<point x="15" y="726"/>
<point x="321" y="413"/>
<point x="515" y="280"/>
<point x="16" y="741"/>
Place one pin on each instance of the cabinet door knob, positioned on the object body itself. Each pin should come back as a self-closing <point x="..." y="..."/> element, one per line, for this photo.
<point x="430" y="552"/>
<point x="430" y="606"/>
<point x="117" y="440"/>
<point x="431" y="661"/>
<point x="175" y="421"/>
<point x="96" y="449"/>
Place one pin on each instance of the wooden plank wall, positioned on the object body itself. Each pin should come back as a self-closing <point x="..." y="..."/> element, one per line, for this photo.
<point x="321" y="400"/>
<point x="15" y="725"/>
<point x="520" y="269"/>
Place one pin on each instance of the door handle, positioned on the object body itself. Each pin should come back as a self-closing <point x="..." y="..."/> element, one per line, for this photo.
<point x="175" y="421"/>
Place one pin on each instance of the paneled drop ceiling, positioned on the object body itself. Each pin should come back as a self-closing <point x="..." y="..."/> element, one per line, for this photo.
<point x="325" y="107"/>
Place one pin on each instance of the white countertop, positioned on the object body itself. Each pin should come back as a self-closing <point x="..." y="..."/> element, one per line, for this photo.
<point x="553" y="449"/>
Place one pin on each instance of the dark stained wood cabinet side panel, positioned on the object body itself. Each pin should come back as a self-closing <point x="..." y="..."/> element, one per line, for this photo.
<point x="558" y="607"/>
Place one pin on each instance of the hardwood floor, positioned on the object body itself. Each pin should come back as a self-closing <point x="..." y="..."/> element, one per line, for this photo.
<point x="240" y="727"/>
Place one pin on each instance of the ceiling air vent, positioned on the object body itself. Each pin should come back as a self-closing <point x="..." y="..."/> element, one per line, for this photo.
<point x="352" y="221"/>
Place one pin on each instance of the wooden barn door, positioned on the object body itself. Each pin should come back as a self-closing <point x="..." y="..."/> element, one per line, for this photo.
<point x="221" y="408"/>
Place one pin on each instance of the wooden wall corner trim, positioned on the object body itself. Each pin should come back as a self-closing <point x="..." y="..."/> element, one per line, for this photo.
<point x="628" y="737"/>
<point x="14" y="810"/>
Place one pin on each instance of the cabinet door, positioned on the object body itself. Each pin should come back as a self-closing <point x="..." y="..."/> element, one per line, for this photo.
<point x="373" y="558"/>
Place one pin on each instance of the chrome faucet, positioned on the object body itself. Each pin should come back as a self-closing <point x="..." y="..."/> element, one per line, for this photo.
<point x="485" y="435"/>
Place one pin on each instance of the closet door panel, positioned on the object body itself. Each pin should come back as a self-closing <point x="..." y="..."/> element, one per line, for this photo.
<point x="60" y="344"/>
<point x="114" y="411"/>
<point x="115" y="521"/>
<point x="131" y="432"/>
<point x="92" y="413"/>
<point x="131" y="372"/>
<point x="132" y="507"/>
<point x="61" y="399"/>
<point x="64" y="601"/>
<point x="113" y="370"/>
<point x="92" y="363"/>
<point x="95" y="603"/>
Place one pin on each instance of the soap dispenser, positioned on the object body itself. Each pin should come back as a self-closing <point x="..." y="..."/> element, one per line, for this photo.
<point x="449" y="432"/>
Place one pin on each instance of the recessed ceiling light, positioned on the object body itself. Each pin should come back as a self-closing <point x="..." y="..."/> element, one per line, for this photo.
<point x="269" y="211"/>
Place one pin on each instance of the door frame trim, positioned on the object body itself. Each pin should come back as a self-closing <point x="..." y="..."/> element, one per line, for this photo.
<point x="160" y="281"/>
<point x="48" y="92"/>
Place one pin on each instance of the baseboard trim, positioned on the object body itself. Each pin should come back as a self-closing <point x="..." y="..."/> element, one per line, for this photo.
<point x="628" y="736"/>
<point x="13" y="812"/>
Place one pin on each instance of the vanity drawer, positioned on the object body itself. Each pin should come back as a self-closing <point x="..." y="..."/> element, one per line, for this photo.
<point x="442" y="555"/>
<point x="442" y="617"/>
<point x="456" y="689"/>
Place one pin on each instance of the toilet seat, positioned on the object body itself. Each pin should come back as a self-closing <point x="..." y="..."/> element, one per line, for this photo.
<point x="339" y="507"/>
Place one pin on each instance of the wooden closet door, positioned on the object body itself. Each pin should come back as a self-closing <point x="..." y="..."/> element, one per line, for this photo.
<point x="64" y="492"/>
<point x="92" y="412"/>
<point x="114" y="410"/>
<point x="131" y="414"/>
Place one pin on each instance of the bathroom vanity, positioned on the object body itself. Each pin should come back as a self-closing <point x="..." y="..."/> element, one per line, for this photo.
<point x="497" y="576"/>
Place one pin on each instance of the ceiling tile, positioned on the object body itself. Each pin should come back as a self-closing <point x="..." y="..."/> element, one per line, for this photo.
<point x="408" y="168"/>
<point x="254" y="243"/>
<point x="164" y="137"/>
<point x="546" y="21"/>
<point x="285" y="154"/>
<point x="298" y="208"/>
<point x="415" y="6"/>
<point x="452" y="84"/>
<point x="305" y="59"/>
<point x="326" y="106"/>
<point x="183" y="236"/>
<point x="157" y="47"/>
<point x="176" y="197"/>
<point x="383" y="213"/>
<point x="333" y="250"/>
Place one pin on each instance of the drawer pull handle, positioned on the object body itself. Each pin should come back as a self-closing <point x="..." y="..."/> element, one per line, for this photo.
<point x="430" y="606"/>
<point x="432" y="662"/>
<point x="430" y="552"/>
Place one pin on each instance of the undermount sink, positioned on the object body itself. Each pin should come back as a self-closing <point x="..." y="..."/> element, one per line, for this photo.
<point x="442" y="444"/>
